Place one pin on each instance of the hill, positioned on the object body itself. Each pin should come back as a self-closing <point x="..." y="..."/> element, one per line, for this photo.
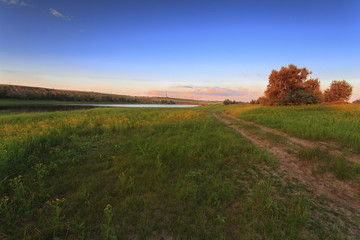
<point x="38" y="93"/>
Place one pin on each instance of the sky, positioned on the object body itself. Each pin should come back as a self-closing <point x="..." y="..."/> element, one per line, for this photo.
<point x="210" y="50"/>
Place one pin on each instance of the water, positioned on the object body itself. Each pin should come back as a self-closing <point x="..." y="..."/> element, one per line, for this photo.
<point x="71" y="107"/>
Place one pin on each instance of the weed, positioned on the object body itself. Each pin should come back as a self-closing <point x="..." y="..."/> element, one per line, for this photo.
<point x="108" y="227"/>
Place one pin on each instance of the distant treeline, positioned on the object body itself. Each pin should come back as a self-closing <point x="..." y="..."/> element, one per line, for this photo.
<point x="32" y="93"/>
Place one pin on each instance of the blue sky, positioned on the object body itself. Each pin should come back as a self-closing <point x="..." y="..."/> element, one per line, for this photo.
<point x="195" y="49"/>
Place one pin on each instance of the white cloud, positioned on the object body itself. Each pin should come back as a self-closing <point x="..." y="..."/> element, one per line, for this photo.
<point x="15" y="2"/>
<point x="205" y="91"/>
<point x="57" y="14"/>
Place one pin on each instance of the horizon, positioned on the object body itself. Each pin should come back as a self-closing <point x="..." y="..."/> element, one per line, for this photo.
<point x="201" y="50"/>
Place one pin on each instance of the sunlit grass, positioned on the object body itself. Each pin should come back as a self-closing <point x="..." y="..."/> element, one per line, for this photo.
<point x="139" y="173"/>
<point x="338" y="123"/>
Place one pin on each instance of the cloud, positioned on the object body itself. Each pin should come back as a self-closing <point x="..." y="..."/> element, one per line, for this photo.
<point x="216" y="91"/>
<point x="58" y="14"/>
<point x="186" y="86"/>
<point x="203" y="91"/>
<point x="15" y="2"/>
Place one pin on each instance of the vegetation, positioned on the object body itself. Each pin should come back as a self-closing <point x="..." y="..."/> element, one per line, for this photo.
<point x="125" y="173"/>
<point x="228" y="102"/>
<point x="339" y="91"/>
<point x="46" y="94"/>
<point x="319" y="122"/>
<point x="34" y="93"/>
<point x="253" y="101"/>
<point x="291" y="86"/>
<point x="144" y="172"/>
<point x="164" y="173"/>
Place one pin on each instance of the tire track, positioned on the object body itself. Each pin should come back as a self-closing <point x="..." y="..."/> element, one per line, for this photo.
<point x="304" y="142"/>
<point x="345" y="196"/>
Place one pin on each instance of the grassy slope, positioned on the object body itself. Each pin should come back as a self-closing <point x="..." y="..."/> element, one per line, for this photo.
<point x="140" y="173"/>
<point x="338" y="123"/>
<point x="13" y="90"/>
<point x="17" y="102"/>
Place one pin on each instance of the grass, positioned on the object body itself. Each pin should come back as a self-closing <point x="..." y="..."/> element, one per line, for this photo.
<point x="338" y="123"/>
<point x="342" y="168"/>
<point x="141" y="173"/>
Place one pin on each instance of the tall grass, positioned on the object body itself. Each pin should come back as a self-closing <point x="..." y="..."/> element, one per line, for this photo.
<point x="138" y="173"/>
<point x="338" y="123"/>
<point x="163" y="172"/>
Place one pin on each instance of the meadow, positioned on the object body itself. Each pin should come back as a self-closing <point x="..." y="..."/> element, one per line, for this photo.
<point x="146" y="174"/>
<point x="338" y="123"/>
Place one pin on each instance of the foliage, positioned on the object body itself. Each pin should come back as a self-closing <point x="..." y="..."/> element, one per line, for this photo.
<point x="33" y="93"/>
<point x="357" y="101"/>
<point x="3" y="93"/>
<point x="291" y="86"/>
<point x="253" y="101"/>
<point x="339" y="91"/>
<point x="297" y="97"/>
<point x="228" y="102"/>
<point x="167" y="102"/>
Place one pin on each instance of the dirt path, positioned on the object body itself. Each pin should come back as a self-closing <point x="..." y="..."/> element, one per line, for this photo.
<point x="344" y="194"/>
<point x="329" y="146"/>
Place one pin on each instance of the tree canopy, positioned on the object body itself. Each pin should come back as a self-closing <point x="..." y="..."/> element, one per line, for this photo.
<point x="291" y="86"/>
<point x="339" y="91"/>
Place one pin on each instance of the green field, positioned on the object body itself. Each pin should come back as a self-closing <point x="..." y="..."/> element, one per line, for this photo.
<point x="153" y="174"/>
<point x="339" y="123"/>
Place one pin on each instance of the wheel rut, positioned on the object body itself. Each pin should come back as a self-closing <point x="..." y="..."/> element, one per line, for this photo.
<point x="344" y="195"/>
<point x="329" y="146"/>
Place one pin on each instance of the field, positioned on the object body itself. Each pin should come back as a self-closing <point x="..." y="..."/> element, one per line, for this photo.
<point x="339" y="123"/>
<point x="199" y="173"/>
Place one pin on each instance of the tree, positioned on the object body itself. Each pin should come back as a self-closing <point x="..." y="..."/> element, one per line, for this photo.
<point x="253" y="101"/>
<point x="339" y="91"/>
<point x="3" y="93"/>
<point x="291" y="86"/>
<point x="227" y="102"/>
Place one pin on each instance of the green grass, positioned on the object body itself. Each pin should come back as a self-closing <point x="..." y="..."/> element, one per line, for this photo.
<point x="338" y="123"/>
<point x="140" y="173"/>
<point x="342" y="168"/>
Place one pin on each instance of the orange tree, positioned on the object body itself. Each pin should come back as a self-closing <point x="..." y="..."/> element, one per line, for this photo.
<point x="339" y="91"/>
<point x="291" y="86"/>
